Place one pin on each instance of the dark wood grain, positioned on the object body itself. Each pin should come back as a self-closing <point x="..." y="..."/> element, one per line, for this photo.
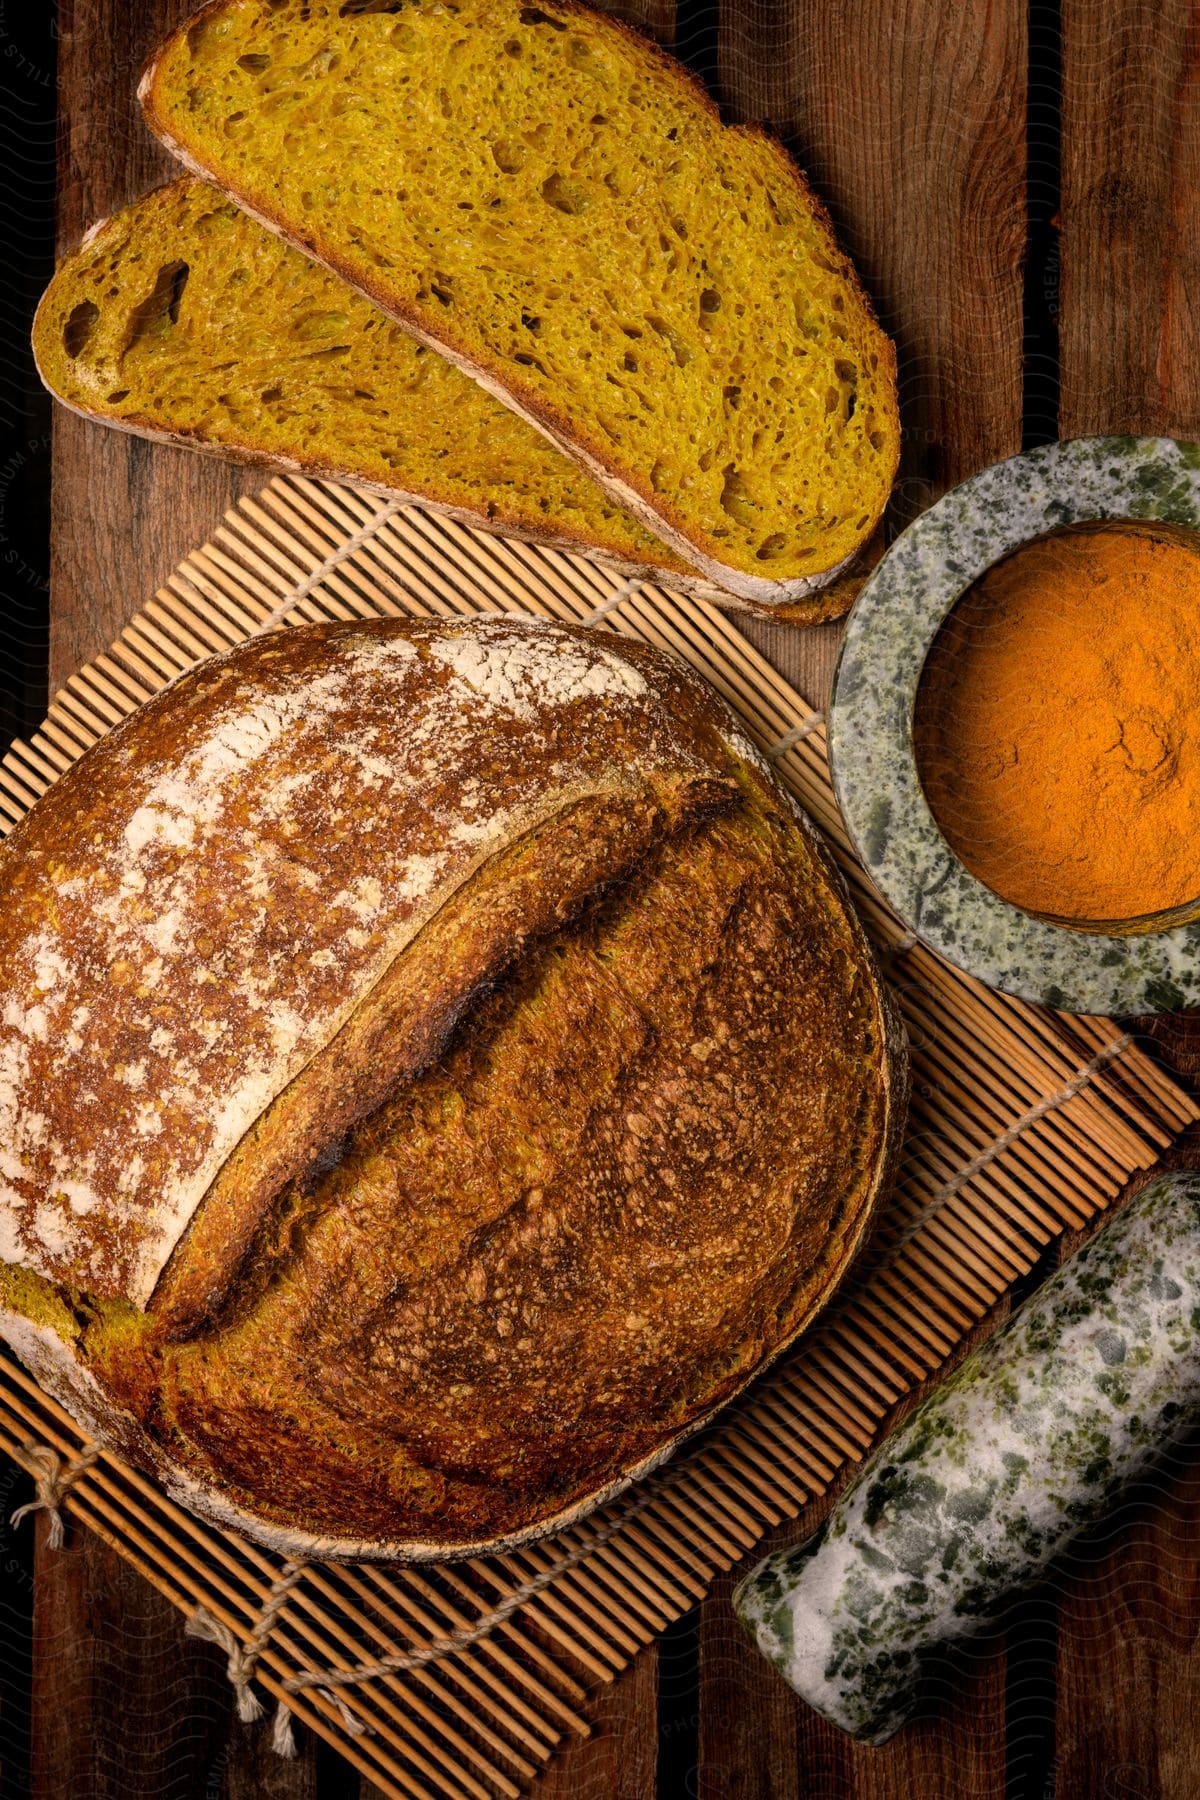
<point x="1129" y="1647"/>
<point x="909" y="116"/>
<point x="618" y="1761"/>
<point x="1129" y="325"/>
<point x="917" y="144"/>
<point x="1129" y="340"/>
<point x="123" y="1703"/>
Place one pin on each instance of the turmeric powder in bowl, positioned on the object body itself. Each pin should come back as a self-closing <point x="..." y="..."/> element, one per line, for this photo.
<point x="1057" y="725"/>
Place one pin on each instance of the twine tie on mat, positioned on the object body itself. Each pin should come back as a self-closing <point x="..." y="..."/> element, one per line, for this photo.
<point x="52" y="1476"/>
<point x="243" y="1654"/>
<point x="315" y="577"/>
<point x="890" y="954"/>
<point x="1006" y="1138"/>
<point x="328" y="1681"/>
<point x="797" y="735"/>
<point x="619" y="595"/>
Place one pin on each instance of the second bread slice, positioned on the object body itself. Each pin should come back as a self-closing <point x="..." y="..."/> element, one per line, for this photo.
<point x="181" y="318"/>
<point x="556" y="206"/>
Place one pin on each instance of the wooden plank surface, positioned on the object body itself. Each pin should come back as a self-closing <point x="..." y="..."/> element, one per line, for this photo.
<point x="1129" y="360"/>
<point x="1129" y="317"/>
<point x="918" y="148"/>
<point x="909" y="115"/>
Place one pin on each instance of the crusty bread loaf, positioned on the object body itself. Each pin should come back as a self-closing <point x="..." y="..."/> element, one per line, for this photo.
<point x="181" y="318"/>
<point x="437" y="1068"/>
<point x="554" y="204"/>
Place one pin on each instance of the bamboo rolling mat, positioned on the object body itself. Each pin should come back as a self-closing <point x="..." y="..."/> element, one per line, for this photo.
<point x="1023" y="1122"/>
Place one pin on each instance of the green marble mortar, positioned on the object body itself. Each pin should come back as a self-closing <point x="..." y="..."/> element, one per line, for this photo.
<point x="888" y="636"/>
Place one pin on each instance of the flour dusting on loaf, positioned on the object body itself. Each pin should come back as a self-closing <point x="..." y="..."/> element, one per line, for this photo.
<point x="195" y="910"/>
<point x="438" y="1068"/>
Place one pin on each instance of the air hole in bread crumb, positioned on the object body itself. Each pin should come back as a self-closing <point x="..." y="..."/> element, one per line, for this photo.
<point x="532" y="15"/>
<point x="508" y="157"/>
<point x="121" y="394"/>
<point x="735" y="497"/>
<point x="679" y="349"/>
<point x="255" y="62"/>
<point x="159" y="311"/>
<point x="270" y="394"/>
<point x="565" y="196"/>
<point x="79" y="326"/>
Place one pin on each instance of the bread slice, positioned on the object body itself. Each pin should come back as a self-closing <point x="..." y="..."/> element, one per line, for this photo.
<point x="181" y="318"/>
<point x="554" y="204"/>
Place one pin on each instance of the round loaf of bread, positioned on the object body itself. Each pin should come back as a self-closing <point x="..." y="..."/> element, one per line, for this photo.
<point x="438" y="1068"/>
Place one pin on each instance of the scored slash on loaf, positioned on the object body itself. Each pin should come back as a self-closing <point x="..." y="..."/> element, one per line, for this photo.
<point x="438" y="1068"/>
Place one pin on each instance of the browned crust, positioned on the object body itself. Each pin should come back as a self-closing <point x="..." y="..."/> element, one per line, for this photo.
<point x="72" y="1386"/>
<point x="888" y="1070"/>
<point x="894" y="1081"/>
<point x="587" y="451"/>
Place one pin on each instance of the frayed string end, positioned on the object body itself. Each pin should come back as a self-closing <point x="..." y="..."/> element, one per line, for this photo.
<point x="283" y="1738"/>
<point x="52" y="1476"/>
<point x="239" y="1668"/>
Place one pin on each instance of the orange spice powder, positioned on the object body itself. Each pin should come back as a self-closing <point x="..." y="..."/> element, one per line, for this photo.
<point x="1058" y="725"/>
